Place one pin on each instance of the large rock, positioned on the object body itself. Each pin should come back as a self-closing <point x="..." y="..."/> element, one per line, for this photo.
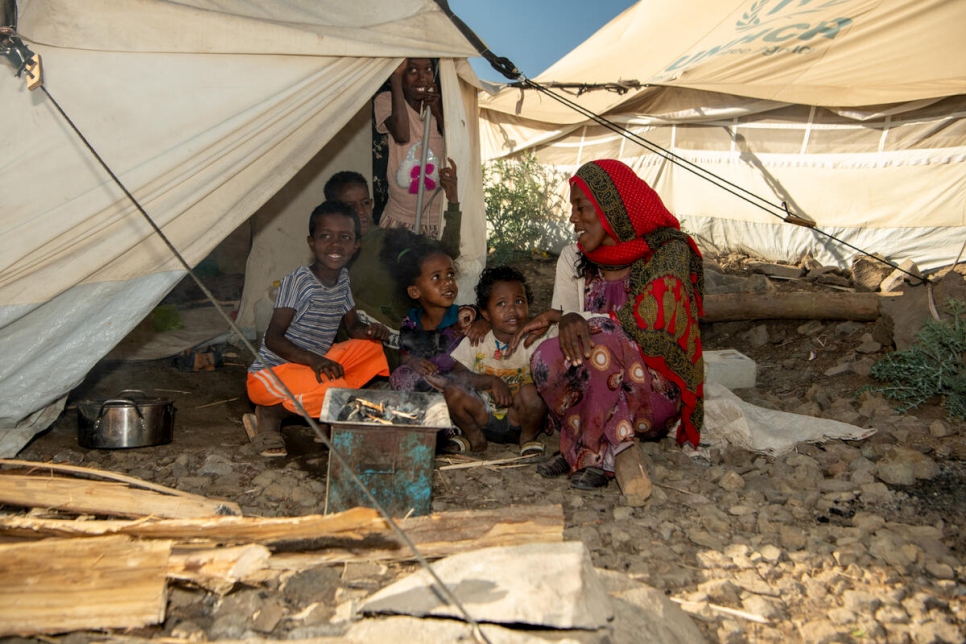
<point x="645" y="614"/>
<point x="904" y="466"/>
<point x="547" y="586"/>
<point x="907" y="313"/>
<point x="868" y="272"/>
<point x="542" y="584"/>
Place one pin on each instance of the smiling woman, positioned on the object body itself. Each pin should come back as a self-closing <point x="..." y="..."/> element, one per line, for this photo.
<point x="627" y="361"/>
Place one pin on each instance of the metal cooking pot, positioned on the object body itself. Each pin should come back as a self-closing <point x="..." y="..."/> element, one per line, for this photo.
<point x="131" y="419"/>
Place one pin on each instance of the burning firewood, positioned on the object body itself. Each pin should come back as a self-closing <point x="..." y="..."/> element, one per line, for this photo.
<point x="362" y="410"/>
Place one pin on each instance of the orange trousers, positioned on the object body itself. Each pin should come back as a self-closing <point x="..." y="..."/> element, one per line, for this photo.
<point x="361" y="361"/>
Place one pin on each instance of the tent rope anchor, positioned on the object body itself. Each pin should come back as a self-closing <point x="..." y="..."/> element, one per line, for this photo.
<point x="25" y="61"/>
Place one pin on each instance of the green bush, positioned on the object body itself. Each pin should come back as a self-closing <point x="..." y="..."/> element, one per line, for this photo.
<point x="524" y="211"/>
<point x="933" y="366"/>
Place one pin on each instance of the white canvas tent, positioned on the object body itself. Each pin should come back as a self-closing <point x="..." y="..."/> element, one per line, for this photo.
<point x="853" y="112"/>
<point x="209" y="112"/>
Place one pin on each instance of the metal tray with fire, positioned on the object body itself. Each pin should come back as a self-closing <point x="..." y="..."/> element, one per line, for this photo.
<point x="388" y="438"/>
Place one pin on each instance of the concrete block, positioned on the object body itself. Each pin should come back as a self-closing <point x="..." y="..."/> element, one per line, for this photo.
<point x="730" y="368"/>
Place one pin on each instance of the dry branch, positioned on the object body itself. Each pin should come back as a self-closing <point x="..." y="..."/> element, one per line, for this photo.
<point x="482" y="463"/>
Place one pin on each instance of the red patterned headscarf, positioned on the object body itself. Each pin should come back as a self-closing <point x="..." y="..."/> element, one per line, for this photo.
<point x="666" y="280"/>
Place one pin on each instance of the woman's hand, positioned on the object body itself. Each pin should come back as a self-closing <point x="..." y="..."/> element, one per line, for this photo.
<point x="325" y="367"/>
<point x="533" y="330"/>
<point x="574" y="336"/>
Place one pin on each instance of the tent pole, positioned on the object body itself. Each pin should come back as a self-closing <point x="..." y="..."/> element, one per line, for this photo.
<point x="423" y="157"/>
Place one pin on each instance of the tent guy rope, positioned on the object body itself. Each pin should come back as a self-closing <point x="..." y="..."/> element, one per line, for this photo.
<point x="13" y="48"/>
<point x="780" y="211"/>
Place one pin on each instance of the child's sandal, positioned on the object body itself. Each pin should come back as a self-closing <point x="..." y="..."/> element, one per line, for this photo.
<point x="456" y="445"/>
<point x="532" y="448"/>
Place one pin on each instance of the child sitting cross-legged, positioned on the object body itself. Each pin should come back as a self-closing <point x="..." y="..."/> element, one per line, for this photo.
<point x="490" y="394"/>
<point x="299" y="347"/>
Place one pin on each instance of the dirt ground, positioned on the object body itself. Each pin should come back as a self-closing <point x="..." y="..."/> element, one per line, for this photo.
<point x="663" y="543"/>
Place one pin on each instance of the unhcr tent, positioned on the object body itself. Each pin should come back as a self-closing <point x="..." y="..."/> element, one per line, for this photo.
<point x="208" y="112"/>
<point x="851" y="112"/>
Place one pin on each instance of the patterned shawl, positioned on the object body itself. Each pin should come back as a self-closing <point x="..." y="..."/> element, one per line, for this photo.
<point x="666" y="280"/>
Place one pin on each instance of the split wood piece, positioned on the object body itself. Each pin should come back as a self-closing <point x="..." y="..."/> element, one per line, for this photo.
<point x="104" y="498"/>
<point x="448" y="533"/>
<point x="631" y="475"/>
<point x="731" y="307"/>
<point x="219" y="569"/>
<point x="351" y="527"/>
<point x="60" y="585"/>
<point x="103" y="474"/>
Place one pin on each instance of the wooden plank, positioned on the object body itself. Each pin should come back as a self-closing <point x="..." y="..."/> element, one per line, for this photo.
<point x="631" y="474"/>
<point x="730" y="307"/>
<point x="60" y="585"/>
<point x="448" y="533"/>
<point x="103" y="474"/>
<point x="103" y="498"/>
<point x="344" y="528"/>
<point x="219" y="569"/>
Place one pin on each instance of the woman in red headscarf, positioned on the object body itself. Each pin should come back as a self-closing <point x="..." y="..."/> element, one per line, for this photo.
<point x="627" y="360"/>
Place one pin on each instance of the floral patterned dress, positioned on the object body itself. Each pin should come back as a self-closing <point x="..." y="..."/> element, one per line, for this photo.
<point x="601" y="405"/>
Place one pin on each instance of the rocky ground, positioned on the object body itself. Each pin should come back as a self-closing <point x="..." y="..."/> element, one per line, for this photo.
<point x="838" y="541"/>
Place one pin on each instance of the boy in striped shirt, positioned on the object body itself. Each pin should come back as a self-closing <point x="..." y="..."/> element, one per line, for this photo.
<point x="299" y="343"/>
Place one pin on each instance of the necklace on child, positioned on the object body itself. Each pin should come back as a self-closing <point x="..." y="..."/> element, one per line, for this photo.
<point x="500" y="348"/>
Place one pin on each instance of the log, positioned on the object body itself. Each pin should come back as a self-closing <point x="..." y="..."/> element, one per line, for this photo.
<point x="104" y="498"/>
<point x="731" y="307"/>
<point x="358" y="534"/>
<point x="344" y="528"/>
<point x="631" y="475"/>
<point x="448" y="533"/>
<point x="60" y="585"/>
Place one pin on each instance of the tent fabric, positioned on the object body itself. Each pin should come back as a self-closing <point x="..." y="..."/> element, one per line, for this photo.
<point x="204" y="110"/>
<point x="851" y="112"/>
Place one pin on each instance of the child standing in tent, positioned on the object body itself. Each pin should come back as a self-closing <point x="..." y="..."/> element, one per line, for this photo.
<point x="298" y="346"/>
<point x="399" y="112"/>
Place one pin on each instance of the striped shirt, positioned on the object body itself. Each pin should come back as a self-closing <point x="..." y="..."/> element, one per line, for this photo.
<point x="318" y="313"/>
